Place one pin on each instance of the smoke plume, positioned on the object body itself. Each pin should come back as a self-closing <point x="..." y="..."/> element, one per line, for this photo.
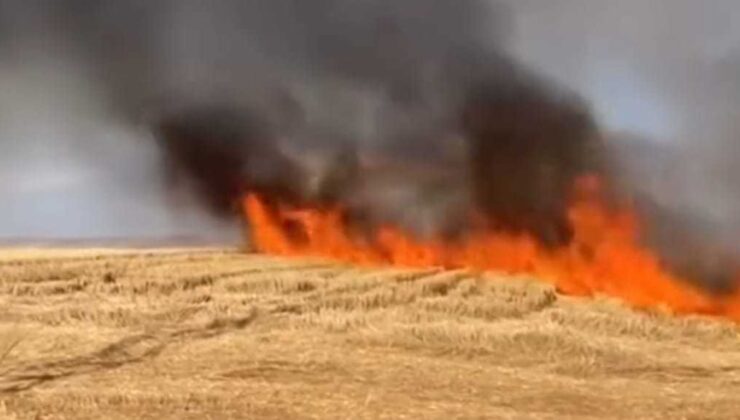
<point x="406" y="112"/>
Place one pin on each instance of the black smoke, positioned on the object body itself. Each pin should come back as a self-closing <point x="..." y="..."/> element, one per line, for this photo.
<point x="411" y="112"/>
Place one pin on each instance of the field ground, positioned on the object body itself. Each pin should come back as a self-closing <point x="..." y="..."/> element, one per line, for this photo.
<point x="194" y="334"/>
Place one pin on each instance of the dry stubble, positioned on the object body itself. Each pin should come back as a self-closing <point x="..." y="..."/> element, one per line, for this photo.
<point x="220" y="334"/>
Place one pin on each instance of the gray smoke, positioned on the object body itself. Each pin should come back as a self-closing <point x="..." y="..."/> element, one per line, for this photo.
<point x="409" y="111"/>
<point x="662" y="77"/>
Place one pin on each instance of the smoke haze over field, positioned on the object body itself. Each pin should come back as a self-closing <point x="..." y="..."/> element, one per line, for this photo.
<point x="667" y="71"/>
<point x="78" y="77"/>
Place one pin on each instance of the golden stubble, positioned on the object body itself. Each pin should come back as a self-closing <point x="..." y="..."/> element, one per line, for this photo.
<point x="216" y="333"/>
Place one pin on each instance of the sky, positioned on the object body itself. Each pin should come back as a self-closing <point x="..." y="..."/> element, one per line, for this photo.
<point x="666" y="70"/>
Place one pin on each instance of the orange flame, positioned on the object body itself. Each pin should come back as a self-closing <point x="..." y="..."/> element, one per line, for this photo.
<point x="604" y="256"/>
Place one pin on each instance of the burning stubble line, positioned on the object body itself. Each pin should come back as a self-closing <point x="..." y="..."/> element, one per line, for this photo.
<point x="527" y="142"/>
<point x="251" y="94"/>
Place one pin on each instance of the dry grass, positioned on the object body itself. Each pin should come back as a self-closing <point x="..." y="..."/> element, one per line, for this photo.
<point x="217" y="334"/>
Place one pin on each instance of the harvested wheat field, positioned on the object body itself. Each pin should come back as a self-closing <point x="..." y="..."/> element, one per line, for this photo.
<point x="220" y="334"/>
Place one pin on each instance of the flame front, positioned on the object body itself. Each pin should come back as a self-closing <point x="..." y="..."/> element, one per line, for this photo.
<point x="604" y="257"/>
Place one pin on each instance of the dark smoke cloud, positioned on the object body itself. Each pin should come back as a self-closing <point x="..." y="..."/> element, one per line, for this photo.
<point x="667" y="73"/>
<point x="404" y="111"/>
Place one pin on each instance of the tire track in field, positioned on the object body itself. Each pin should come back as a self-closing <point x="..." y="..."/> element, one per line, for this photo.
<point x="128" y="350"/>
<point x="136" y="275"/>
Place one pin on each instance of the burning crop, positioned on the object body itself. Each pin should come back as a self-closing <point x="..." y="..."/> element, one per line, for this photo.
<point x="459" y="158"/>
<point x="552" y="212"/>
<point x="605" y="255"/>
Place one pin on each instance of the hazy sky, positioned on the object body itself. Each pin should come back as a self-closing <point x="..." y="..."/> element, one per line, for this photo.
<point x="66" y="170"/>
<point x="667" y="69"/>
<point x="641" y="62"/>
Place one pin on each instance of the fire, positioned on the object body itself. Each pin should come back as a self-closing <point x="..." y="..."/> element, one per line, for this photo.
<point x="604" y="257"/>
